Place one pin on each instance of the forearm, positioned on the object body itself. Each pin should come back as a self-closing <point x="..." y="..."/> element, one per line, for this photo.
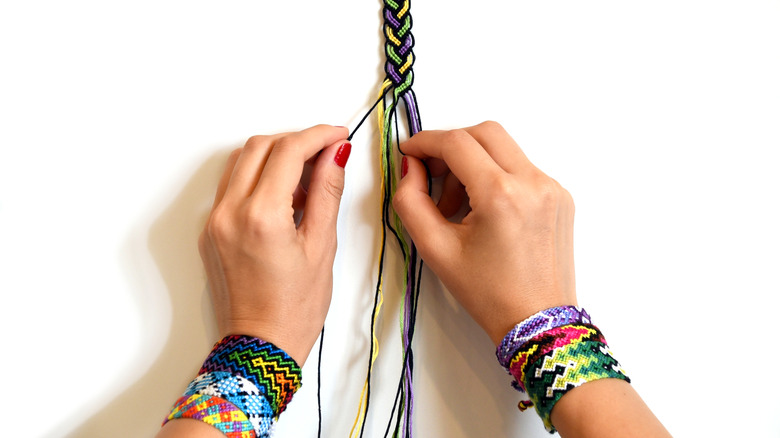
<point x="605" y="409"/>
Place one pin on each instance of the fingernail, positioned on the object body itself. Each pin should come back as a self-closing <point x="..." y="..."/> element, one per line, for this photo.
<point x="340" y="127"/>
<point x="404" y="166"/>
<point x="342" y="155"/>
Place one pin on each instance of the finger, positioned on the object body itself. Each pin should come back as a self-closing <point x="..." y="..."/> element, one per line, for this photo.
<point x="325" y="189"/>
<point x="249" y="165"/>
<point x="437" y="167"/>
<point x="285" y="163"/>
<point x="452" y="196"/>
<point x="225" y="178"/>
<point x="430" y="231"/>
<point x="465" y="157"/>
<point x="499" y="145"/>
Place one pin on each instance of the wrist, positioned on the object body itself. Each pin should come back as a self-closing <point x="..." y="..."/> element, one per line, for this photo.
<point x="553" y="352"/>
<point x="515" y="316"/>
<point x="244" y="384"/>
<point x="296" y="341"/>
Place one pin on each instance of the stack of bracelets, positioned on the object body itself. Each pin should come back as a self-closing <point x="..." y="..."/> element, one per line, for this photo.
<point x="245" y="383"/>
<point x="243" y="386"/>
<point x="552" y="352"/>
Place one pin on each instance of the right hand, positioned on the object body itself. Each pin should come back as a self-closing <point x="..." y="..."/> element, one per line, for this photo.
<point x="512" y="254"/>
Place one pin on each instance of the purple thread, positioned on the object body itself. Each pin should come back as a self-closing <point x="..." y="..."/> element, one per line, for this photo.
<point x="411" y="107"/>
<point x="391" y="71"/>
<point x="533" y="325"/>
<point x="391" y="18"/>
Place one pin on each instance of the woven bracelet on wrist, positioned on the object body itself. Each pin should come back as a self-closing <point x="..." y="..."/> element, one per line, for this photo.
<point x="244" y="384"/>
<point x="578" y="360"/>
<point x="552" y="352"/>
<point x="537" y="323"/>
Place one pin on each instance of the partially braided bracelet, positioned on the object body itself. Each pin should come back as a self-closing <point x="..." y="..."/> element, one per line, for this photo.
<point x="244" y="384"/>
<point x="555" y="351"/>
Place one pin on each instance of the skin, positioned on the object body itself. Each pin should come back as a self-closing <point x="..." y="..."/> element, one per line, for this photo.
<point x="272" y="279"/>
<point x="498" y="281"/>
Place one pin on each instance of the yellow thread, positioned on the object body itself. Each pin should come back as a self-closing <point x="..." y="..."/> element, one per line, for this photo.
<point x="374" y="341"/>
<point x="391" y="36"/>
<point x="404" y="10"/>
<point x="407" y="64"/>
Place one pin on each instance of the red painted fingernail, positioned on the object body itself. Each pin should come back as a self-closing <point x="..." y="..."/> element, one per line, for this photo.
<point x="342" y="155"/>
<point x="404" y="166"/>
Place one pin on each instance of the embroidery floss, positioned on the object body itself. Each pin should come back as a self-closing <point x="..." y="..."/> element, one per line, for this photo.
<point x="242" y="387"/>
<point x="398" y="83"/>
<point x="553" y="352"/>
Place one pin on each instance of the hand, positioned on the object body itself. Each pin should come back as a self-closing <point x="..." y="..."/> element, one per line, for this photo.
<point x="268" y="277"/>
<point x="512" y="254"/>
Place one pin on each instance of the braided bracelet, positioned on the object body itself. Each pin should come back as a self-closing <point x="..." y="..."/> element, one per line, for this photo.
<point x="242" y="387"/>
<point x="556" y="360"/>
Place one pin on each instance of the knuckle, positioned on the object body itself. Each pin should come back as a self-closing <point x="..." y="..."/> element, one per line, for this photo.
<point x="491" y="126"/>
<point x="258" y="222"/>
<point x="550" y="196"/>
<point x="256" y="141"/>
<point x="504" y="187"/>
<point x="218" y="226"/>
<point x="457" y="137"/>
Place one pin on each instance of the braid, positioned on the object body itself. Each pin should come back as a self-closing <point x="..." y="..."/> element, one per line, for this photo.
<point x="399" y="42"/>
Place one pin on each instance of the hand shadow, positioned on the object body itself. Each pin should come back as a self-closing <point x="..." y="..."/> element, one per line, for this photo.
<point x="172" y="242"/>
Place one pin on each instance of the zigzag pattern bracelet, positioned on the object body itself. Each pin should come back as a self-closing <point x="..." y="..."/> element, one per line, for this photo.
<point x="549" y="356"/>
<point x="242" y="387"/>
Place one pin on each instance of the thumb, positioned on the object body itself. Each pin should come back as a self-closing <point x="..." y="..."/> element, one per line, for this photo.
<point x="325" y="188"/>
<point x="433" y="235"/>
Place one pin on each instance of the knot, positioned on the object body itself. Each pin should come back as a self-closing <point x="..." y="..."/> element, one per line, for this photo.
<point x="524" y="404"/>
<point x="398" y="44"/>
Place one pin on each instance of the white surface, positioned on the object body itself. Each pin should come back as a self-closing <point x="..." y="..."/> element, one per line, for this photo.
<point x="116" y="118"/>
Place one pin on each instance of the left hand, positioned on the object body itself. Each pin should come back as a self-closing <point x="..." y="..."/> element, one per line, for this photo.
<point x="268" y="277"/>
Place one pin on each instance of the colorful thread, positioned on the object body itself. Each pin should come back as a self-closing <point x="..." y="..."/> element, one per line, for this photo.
<point x="399" y="79"/>
<point x="243" y="386"/>
<point x="545" y="343"/>
<point x="566" y="368"/>
<point x="275" y="374"/>
<point x="552" y="361"/>
<point x="533" y="325"/>
<point x="240" y="392"/>
<point x="215" y="411"/>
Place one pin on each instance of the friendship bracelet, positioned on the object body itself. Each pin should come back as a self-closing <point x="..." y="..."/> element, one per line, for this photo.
<point x="239" y="391"/>
<point x="242" y="387"/>
<point x="214" y="411"/>
<point x="555" y="351"/>
<point x="545" y="343"/>
<point x="565" y="368"/>
<point x="275" y="374"/>
<point x="533" y="325"/>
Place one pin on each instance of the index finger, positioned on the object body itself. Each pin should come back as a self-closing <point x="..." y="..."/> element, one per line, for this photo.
<point x="284" y="167"/>
<point x="462" y="153"/>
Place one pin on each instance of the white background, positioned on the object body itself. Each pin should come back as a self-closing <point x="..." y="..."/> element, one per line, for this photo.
<point x="116" y="118"/>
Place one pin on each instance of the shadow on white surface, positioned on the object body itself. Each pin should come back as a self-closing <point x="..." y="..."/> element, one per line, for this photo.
<point x="172" y="243"/>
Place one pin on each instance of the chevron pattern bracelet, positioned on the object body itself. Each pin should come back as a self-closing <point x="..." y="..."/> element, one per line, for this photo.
<point x="242" y="387"/>
<point x="554" y="352"/>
